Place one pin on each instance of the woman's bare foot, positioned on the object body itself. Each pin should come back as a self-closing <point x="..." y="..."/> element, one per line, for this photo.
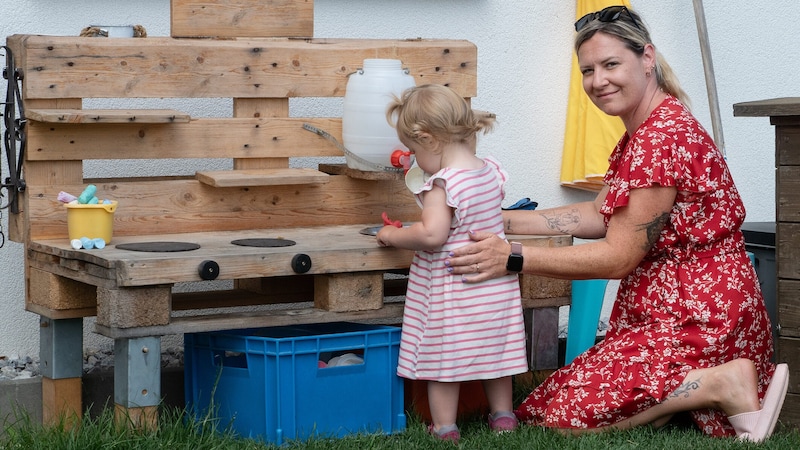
<point x="738" y="386"/>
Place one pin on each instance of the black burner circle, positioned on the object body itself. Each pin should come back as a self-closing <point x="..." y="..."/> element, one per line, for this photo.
<point x="165" y="246"/>
<point x="264" y="242"/>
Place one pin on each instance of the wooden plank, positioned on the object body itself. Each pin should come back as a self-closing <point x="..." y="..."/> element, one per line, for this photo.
<point x="789" y="307"/>
<point x="787" y="352"/>
<point x="787" y="193"/>
<point x="253" y="319"/>
<point x="107" y="116"/>
<point x="275" y="291"/>
<point x="52" y="173"/>
<point x="61" y="402"/>
<point x="257" y="108"/>
<point x="787" y="145"/>
<point x="76" y="67"/>
<point x="346" y="254"/>
<point x="786" y="106"/>
<point x="164" y="206"/>
<point x="60" y="313"/>
<point x="787" y="241"/>
<point x="333" y="249"/>
<point x="87" y="272"/>
<point x="144" y="418"/>
<point x="201" y="138"/>
<point x="545" y="302"/>
<point x="343" y="169"/>
<point x="262" y="177"/>
<point x="242" y="18"/>
<point x="790" y="413"/>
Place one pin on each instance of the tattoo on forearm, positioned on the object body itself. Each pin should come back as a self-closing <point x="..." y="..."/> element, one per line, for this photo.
<point x="564" y="222"/>
<point x="653" y="229"/>
<point x="685" y="389"/>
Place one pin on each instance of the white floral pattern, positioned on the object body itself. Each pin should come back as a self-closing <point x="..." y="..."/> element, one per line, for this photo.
<point x="693" y="302"/>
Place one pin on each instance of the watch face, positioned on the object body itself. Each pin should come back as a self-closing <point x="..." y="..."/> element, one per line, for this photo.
<point x="514" y="263"/>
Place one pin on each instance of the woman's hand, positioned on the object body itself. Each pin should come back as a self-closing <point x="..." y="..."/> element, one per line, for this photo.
<point x="482" y="260"/>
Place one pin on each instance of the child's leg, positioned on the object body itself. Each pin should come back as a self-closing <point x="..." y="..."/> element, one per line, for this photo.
<point x="443" y="402"/>
<point x="499" y="394"/>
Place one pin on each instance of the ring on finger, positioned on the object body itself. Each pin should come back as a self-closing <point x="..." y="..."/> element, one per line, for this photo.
<point x="477" y="267"/>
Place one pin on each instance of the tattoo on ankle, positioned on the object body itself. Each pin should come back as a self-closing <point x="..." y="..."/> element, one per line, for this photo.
<point x="686" y="388"/>
<point x="564" y="222"/>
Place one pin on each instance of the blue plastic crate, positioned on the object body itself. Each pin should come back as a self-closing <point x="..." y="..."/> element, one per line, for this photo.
<point x="266" y="382"/>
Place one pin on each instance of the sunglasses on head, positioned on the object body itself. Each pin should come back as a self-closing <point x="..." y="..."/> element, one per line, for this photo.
<point x="608" y="14"/>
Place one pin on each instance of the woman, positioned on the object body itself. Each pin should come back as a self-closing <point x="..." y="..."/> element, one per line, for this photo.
<point x="689" y="330"/>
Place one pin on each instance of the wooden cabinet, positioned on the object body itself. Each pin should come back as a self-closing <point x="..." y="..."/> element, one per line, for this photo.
<point x="784" y="114"/>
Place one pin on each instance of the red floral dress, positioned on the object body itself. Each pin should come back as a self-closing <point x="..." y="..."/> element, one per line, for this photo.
<point x="693" y="302"/>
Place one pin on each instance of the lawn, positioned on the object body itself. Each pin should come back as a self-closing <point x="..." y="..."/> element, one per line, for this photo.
<point x="176" y="432"/>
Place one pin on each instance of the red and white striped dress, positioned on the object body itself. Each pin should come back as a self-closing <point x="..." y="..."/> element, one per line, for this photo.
<point x="455" y="331"/>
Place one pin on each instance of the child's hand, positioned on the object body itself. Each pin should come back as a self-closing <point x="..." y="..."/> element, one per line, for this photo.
<point x="383" y="235"/>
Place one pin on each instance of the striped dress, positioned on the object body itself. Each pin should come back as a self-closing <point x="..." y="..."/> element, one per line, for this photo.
<point x="455" y="331"/>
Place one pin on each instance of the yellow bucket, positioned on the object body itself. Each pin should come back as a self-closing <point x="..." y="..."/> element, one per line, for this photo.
<point x="91" y="221"/>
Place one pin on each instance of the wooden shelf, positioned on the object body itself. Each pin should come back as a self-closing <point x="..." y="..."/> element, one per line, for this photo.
<point x="261" y="177"/>
<point x="107" y="116"/>
<point x="343" y="169"/>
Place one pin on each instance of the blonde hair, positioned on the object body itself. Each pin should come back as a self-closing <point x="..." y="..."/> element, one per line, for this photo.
<point x="632" y="31"/>
<point x="436" y="110"/>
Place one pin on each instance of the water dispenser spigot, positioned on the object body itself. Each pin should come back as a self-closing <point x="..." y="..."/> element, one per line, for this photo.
<point x="401" y="158"/>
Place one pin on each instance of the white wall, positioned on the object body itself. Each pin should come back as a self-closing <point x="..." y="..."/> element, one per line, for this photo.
<point x="524" y="54"/>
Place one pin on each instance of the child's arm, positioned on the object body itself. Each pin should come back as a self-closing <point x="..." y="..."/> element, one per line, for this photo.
<point x="428" y="234"/>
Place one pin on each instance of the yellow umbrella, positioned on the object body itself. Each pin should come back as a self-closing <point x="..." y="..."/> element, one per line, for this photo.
<point x="590" y="134"/>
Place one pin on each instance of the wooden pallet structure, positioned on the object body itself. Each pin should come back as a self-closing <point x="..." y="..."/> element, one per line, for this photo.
<point x="261" y="55"/>
<point x="784" y="114"/>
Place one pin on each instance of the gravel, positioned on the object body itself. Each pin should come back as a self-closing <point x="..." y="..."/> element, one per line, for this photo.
<point x="16" y="367"/>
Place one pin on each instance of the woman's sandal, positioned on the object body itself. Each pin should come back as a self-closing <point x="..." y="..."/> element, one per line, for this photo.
<point x="756" y="426"/>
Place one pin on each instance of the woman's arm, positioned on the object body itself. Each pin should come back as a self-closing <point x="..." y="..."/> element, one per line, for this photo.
<point x="632" y="231"/>
<point x="581" y="220"/>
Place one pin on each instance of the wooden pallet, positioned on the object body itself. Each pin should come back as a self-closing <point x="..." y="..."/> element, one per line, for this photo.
<point x="260" y="56"/>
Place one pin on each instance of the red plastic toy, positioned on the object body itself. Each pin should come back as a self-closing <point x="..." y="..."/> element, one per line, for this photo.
<point x="387" y="221"/>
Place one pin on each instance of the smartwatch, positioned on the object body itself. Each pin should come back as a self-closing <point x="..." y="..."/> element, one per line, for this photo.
<point x="514" y="263"/>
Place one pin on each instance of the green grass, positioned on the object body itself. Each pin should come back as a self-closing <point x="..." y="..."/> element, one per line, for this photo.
<point x="179" y="430"/>
<point x="175" y="432"/>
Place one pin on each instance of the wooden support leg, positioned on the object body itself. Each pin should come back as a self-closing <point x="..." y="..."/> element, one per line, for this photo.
<point x="137" y="381"/>
<point x="61" y="360"/>
<point x="541" y="326"/>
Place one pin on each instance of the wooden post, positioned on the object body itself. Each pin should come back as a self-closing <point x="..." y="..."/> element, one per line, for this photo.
<point x="61" y="356"/>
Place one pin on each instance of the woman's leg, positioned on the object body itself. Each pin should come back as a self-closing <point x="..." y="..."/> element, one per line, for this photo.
<point x="443" y="402"/>
<point x="731" y="388"/>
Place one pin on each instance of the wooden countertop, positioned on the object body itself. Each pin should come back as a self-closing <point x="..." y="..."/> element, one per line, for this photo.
<point x="785" y="106"/>
<point x="335" y="249"/>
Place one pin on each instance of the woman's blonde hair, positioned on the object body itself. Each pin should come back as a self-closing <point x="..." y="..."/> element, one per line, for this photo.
<point x="438" y="111"/>
<point x="630" y="29"/>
